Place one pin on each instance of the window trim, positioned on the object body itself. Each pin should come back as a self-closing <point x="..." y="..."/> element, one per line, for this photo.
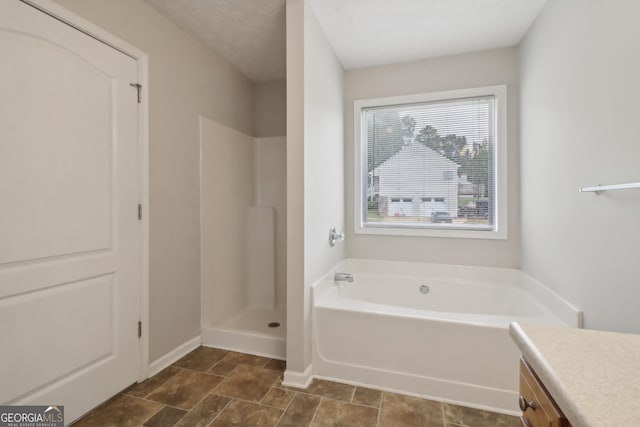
<point x="500" y="166"/>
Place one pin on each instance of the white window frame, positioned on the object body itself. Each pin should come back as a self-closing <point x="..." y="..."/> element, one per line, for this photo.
<point x="500" y="166"/>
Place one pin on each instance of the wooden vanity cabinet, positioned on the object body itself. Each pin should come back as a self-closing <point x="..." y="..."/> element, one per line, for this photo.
<point x="537" y="405"/>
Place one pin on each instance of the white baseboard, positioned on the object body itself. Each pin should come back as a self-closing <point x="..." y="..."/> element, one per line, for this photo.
<point x="298" y="379"/>
<point x="163" y="361"/>
<point x="457" y="393"/>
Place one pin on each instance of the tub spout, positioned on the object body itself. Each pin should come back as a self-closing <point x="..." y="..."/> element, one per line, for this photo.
<point x="343" y="277"/>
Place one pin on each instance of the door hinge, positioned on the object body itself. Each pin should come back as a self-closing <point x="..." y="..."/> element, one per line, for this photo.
<point x="139" y="212"/>
<point x="138" y="86"/>
<point x="139" y="329"/>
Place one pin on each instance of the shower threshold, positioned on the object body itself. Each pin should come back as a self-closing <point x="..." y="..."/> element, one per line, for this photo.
<point x="249" y="332"/>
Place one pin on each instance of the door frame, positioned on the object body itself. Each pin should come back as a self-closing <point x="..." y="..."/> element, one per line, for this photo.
<point x="58" y="12"/>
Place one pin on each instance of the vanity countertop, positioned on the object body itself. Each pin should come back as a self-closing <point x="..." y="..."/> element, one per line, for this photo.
<point x="593" y="376"/>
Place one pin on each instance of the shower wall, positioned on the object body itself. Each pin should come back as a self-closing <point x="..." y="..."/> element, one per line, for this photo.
<point x="243" y="220"/>
<point x="226" y="192"/>
<point x="270" y="172"/>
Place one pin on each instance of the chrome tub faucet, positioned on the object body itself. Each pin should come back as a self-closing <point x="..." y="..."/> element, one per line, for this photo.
<point x="343" y="277"/>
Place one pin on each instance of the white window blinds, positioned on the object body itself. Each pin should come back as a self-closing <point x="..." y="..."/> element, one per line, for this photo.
<point x="430" y="164"/>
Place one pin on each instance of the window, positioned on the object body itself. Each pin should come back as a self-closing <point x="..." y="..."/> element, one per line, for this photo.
<point x="423" y="158"/>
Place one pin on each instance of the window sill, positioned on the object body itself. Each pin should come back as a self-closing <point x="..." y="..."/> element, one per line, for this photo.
<point x="444" y="232"/>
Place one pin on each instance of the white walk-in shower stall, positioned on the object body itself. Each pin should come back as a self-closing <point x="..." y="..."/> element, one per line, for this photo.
<point x="243" y="252"/>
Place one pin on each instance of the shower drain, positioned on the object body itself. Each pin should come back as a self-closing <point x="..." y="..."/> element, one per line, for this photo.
<point x="273" y="324"/>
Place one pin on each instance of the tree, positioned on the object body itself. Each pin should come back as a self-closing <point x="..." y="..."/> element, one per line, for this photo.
<point x="408" y="129"/>
<point x="476" y="166"/>
<point x="450" y="146"/>
<point x="474" y="162"/>
<point x="429" y="137"/>
<point x="386" y="135"/>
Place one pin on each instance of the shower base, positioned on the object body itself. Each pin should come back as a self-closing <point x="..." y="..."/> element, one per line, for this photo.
<point x="249" y="332"/>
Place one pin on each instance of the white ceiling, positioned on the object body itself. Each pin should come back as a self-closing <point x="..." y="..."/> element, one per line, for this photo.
<point x="364" y="33"/>
<point x="250" y="34"/>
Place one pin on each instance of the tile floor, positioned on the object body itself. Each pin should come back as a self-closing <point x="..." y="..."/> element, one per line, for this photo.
<point x="212" y="387"/>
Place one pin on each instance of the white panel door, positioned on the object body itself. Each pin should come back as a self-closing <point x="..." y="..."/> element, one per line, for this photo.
<point x="70" y="250"/>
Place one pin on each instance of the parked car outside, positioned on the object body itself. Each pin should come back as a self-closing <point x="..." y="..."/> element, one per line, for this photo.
<point x="441" y="217"/>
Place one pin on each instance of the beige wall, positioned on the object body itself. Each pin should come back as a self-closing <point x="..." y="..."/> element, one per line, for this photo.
<point x="270" y="109"/>
<point x="488" y="68"/>
<point x="580" y="91"/>
<point x="324" y="150"/>
<point x="186" y="80"/>
<point x="297" y="293"/>
<point x="315" y="180"/>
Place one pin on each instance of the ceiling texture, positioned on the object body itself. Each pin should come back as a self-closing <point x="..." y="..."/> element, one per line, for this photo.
<point x="365" y="33"/>
<point x="250" y="34"/>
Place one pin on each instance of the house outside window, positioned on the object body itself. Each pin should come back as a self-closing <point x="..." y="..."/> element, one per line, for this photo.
<point x="422" y="158"/>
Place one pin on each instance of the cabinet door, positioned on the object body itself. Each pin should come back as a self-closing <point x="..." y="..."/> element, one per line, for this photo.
<point x="541" y="410"/>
